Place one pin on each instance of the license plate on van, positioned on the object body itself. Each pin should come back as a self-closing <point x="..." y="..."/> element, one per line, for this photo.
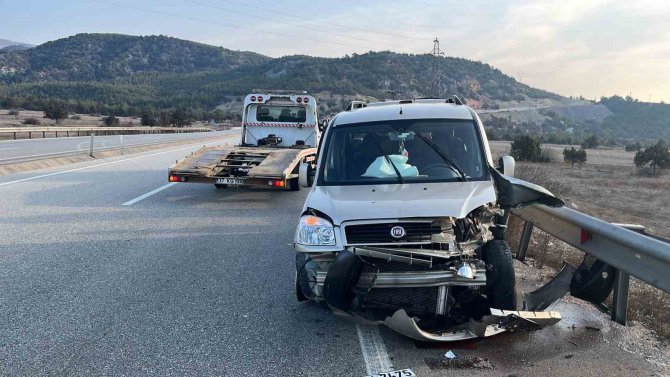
<point x="229" y="181"/>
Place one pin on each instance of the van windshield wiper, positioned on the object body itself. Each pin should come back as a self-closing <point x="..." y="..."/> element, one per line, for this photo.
<point x="451" y="163"/>
<point x="397" y="172"/>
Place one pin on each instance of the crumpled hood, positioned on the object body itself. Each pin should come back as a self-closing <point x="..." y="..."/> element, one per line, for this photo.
<point x="391" y="201"/>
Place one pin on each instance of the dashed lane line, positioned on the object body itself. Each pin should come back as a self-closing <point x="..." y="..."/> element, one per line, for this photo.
<point x="148" y="194"/>
<point x="374" y="351"/>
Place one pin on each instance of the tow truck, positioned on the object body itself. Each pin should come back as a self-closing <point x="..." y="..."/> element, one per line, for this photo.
<point x="280" y="131"/>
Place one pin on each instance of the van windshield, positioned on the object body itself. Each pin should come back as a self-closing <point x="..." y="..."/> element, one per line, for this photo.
<point x="408" y="151"/>
<point x="269" y="113"/>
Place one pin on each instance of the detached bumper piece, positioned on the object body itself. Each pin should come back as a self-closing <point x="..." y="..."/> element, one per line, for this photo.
<point x="499" y="321"/>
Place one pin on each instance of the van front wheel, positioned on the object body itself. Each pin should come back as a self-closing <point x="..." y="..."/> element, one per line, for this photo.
<point x="500" y="280"/>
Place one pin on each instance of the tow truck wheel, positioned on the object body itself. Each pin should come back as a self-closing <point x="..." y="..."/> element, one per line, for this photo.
<point x="500" y="281"/>
<point x="220" y="186"/>
<point x="294" y="184"/>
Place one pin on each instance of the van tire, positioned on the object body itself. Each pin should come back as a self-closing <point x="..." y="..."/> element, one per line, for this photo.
<point x="303" y="290"/>
<point x="500" y="280"/>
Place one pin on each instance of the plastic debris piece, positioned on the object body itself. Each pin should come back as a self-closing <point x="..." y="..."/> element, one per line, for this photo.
<point x="450" y="355"/>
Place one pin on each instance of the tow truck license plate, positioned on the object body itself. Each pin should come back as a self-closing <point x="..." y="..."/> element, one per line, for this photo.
<point x="229" y="181"/>
<point x="395" y="373"/>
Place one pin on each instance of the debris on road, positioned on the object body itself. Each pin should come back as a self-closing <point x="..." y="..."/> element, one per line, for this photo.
<point x="463" y="362"/>
<point x="450" y="355"/>
<point x="593" y="328"/>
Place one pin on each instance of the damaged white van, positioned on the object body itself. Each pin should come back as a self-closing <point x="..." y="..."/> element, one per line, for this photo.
<point x="405" y="221"/>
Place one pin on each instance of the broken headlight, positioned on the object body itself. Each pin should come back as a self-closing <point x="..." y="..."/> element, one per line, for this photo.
<point x="315" y="231"/>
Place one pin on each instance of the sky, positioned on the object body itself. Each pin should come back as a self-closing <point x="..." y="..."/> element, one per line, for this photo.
<point x="589" y="48"/>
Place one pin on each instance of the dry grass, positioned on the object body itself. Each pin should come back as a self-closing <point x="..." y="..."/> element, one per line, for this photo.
<point x="612" y="192"/>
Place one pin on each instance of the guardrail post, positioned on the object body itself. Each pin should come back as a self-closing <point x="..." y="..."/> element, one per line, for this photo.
<point x="121" y="136"/>
<point x="524" y="241"/>
<point x="90" y="151"/>
<point x="14" y="135"/>
<point x="30" y="135"/>
<point x="620" y="297"/>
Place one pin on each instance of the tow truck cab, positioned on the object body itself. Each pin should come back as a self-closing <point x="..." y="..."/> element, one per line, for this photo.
<point x="280" y="120"/>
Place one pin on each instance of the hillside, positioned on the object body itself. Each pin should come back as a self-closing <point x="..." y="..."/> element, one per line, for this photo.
<point x="126" y="75"/>
<point x="122" y="73"/>
<point x="105" y="57"/>
<point x="648" y="120"/>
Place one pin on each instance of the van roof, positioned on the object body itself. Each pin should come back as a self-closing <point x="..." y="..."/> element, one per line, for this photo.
<point x="399" y="110"/>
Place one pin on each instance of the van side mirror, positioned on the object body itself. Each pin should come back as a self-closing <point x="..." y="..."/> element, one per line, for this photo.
<point x="323" y="125"/>
<point x="507" y="164"/>
<point x="306" y="175"/>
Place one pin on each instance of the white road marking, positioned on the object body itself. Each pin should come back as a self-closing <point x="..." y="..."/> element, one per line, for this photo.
<point x="5" y="149"/>
<point x="38" y="155"/>
<point x="148" y="194"/>
<point x="95" y="166"/>
<point x="373" y="349"/>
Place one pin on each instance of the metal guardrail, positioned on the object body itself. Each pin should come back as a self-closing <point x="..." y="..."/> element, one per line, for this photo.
<point x="91" y="149"/>
<point x="623" y="246"/>
<point x="85" y="131"/>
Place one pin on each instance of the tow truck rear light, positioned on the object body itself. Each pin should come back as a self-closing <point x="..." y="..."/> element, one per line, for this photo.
<point x="253" y="98"/>
<point x="260" y="99"/>
<point x="175" y="178"/>
<point x="299" y="100"/>
<point x="277" y="183"/>
<point x="305" y="100"/>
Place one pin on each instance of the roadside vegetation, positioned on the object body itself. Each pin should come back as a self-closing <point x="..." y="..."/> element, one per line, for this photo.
<point x="574" y="156"/>
<point x="654" y="157"/>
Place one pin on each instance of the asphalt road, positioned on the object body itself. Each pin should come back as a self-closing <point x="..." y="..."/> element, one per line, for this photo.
<point x="29" y="148"/>
<point x="198" y="281"/>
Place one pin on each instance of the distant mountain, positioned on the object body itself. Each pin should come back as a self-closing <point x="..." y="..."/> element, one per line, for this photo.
<point x="123" y="75"/>
<point x="12" y="48"/>
<point x="114" y="69"/>
<point x="7" y="45"/>
<point x="107" y="57"/>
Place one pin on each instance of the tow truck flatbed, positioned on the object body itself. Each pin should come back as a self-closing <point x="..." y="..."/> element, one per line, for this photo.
<point x="242" y="166"/>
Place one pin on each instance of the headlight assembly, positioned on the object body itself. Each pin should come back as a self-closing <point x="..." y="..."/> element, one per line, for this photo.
<point x="315" y="231"/>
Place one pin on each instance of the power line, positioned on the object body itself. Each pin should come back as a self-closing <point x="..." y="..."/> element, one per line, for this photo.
<point x="297" y="25"/>
<point x="436" y="68"/>
<point x="326" y="22"/>
<point x="293" y="37"/>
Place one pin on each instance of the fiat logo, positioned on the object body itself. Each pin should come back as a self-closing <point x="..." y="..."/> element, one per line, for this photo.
<point x="398" y="232"/>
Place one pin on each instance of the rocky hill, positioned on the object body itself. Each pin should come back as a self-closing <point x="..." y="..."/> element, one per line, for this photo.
<point x="113" y="69"/>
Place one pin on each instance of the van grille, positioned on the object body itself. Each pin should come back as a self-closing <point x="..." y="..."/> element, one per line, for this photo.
<point x="366" y="234"/>
<point x="413" y="300"/>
